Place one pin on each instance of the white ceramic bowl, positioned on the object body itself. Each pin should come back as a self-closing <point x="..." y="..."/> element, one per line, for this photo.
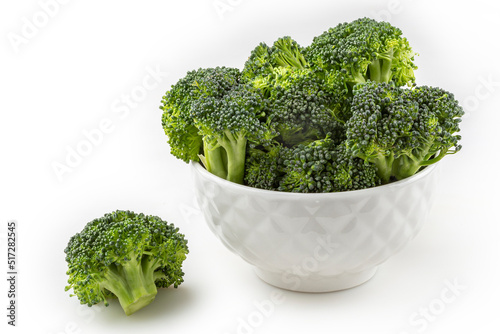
<point x="315" y="242"/>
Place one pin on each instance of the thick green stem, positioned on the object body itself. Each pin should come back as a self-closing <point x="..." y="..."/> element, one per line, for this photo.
<point x="214" y="160"/>
<point x="134" y="287"/>
<point x="235" y="147"/>
<point x="408" y="164"/>
<point x="404" y="166"/>
<point x="384" y="166"/>
<point x="374" y="68"/>
<point x="386" y="69"/>
<point x="357" y="78"/>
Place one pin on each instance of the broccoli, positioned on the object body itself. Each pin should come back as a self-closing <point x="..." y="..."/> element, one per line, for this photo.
<point x="125" y="255"/>
<point x="322" y="166"/>
<point x="432" y="133"/>
<point x="343" y="113"/>
<point x="402" y="130"/>
<point x="380" y="118"/>
<point x="300" y="109"/>
<point x="263" y="61"/>
<point x="264" y="166"/>
<point x="209" y="116"/>
<point x="227" y="122"/>
<point x="183" y="137"/>
<point x="364" y="50"/>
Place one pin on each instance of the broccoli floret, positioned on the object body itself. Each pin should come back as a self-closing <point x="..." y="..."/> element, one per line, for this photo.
<point x="301" y="106"/>
<point x="210" y="115"/>
<point x="381" y="116"/>
<point x="353" y="173"/>
<point x="125" y="255"/>
<point x="364" y="50"/>
<point x="183" y="136"/>
<point x="227" y="122"/>
<point x="322" y="166"/>
<point x="308" y="168"/>
<point x="401" y="130"/>
<point x="433" y="131"/>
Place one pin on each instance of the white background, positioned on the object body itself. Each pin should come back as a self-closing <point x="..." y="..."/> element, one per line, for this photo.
<point x="74" y="70"/>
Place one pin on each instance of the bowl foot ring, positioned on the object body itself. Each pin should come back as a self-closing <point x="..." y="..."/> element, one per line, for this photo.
<point x="289" y="281"/>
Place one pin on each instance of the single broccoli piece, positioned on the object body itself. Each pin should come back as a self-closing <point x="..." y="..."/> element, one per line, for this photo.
<point x="183" y="136"/>
<point x="402" y="130"/>
<point x="125" y="255"/>
<point x="381" y="117"/>
<point x="209" y="116"/>
<point x="364" y="50"/>
<point x="433" y="131"/>
<point x="227" y="123"/>
<point x="322" y="166"/>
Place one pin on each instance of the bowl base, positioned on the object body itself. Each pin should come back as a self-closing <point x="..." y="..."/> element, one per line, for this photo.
<point x="288" y="281"/>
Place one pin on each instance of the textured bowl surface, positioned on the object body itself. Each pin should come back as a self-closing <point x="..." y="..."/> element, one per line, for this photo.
<point x="315" y="242"/>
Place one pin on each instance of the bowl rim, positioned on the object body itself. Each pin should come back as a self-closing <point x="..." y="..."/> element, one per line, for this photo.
<point x="393" y="186"/>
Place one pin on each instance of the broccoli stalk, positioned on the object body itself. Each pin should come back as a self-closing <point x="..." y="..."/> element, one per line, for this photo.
<point x="133" y="283"/>
<point x="225" y="156"/>
<point x="383" y="163"/>
<point x="234" y="144"/>
<point x="214" y="159"/>
<point x="380" y="67"/>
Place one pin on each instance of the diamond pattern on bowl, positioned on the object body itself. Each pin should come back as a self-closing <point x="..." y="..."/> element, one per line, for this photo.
<point x="324" y="242"/>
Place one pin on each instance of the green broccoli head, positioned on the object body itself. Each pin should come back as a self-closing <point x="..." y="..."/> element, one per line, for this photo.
<point x="227" y="123"/>
<point x="183" y="136"/>
<point x="381" y="116"/>
<point x="127" y="256"/>
<point x="402" y="130"/>
<point x="433" y="133"/>
<point x="365" y="49"/>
